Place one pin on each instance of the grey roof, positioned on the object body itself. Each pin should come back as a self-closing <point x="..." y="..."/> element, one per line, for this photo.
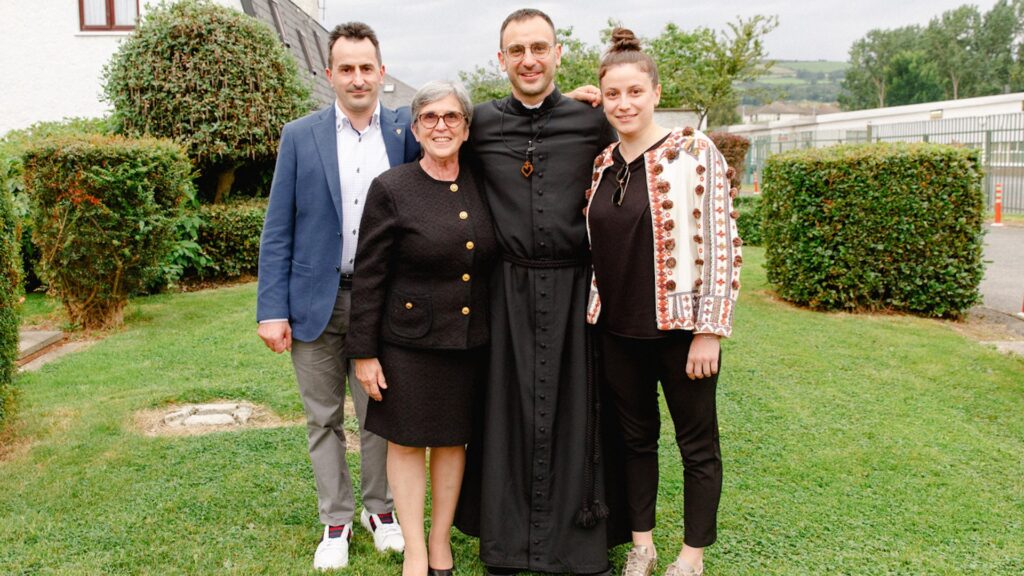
<point x="307" y="40"/>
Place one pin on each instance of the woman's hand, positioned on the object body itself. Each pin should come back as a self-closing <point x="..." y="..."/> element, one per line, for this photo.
<point x="371" y="377"/>
<point x="702" y="361"/>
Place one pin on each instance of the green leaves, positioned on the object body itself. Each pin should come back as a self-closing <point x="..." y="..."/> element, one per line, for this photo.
<point x="103" y="211"/>
<point x="211" y="78"/>
<point x="878" y="226"/>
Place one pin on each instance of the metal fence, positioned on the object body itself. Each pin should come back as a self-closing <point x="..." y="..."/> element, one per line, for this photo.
<point x="999" y="137"/>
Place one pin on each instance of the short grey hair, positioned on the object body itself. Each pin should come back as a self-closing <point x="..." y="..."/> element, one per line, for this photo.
<point x="439" y="90"/>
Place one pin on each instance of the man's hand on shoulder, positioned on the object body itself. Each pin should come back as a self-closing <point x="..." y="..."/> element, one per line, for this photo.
<point x="276" y="335"/>
<point x="587" y="94"/>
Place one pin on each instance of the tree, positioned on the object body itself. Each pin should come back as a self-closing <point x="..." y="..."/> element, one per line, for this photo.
<point x="952" y="41"/>
<point x="213" y="79"/>
<point x="870" y="74"/>
<point x="699" y="69"/>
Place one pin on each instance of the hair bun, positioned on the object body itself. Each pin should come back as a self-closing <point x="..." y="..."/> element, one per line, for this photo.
<point x="624" y="40"/>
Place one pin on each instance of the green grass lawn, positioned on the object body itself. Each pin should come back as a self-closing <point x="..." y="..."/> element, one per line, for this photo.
<point x="852" y="445"/>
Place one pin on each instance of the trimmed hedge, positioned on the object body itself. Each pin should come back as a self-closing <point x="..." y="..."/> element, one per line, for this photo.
<point x="734" y="147"/>
<point x="749" y="222"/>
<point x="10" y="294"/>
<point x="104" y="210"/>
<point x="12" y="146"/>
<point x="876" y="226"/>
<point x="229" y="236"/>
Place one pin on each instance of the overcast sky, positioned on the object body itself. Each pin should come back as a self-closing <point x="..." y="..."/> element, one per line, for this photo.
<point x="433" y="39"/>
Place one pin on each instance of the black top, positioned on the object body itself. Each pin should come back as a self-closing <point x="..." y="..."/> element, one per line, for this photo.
<point x="539" y="217"/>
<point x="622" y="241"/>
<point x="426" y="250"/>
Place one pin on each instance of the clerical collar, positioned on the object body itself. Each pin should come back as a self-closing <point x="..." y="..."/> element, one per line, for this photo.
<point x="549" y="102"/>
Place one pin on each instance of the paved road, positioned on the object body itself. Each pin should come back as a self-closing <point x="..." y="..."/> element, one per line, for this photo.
<point x="1003" y="286"/>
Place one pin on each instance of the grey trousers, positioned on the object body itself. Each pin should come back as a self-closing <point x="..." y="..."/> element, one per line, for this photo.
<point x="321" y="370"/>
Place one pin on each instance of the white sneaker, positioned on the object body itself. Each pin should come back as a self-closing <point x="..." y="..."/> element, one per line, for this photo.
<point x="387" y="534"/>
<point x="332" y="552"/>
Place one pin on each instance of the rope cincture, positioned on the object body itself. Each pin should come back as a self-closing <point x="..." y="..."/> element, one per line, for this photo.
<point x="592" y="510"/>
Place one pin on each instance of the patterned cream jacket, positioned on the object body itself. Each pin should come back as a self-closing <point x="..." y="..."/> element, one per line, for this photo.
<point x="696" y="246"/>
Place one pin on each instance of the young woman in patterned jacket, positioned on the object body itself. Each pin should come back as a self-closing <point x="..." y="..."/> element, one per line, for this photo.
<point x="666" y="275"/>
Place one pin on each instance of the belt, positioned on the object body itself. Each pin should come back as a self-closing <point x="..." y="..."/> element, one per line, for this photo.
<point x="346" y="281"/>
<point x="530" y="263"/>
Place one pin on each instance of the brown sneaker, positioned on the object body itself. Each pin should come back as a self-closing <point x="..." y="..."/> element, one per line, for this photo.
<point x="639" y="562"/>
<point x="682" y="568"/>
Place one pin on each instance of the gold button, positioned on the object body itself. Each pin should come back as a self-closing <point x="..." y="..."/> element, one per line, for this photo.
<point x="465" y="277"/>
<point x="454" y="187"/>
<point x="408" y="305"/>
<point x="469" y="245"/>
<point x="463" y="215"/>
<point x="465" y="311"/>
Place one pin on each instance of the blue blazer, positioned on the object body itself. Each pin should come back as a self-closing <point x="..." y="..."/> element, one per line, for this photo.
<point x="300" y="248"/>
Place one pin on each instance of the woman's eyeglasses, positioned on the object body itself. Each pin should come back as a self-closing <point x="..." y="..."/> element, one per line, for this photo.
<point x="622" y="179"/>
<point x="451" y="119"/>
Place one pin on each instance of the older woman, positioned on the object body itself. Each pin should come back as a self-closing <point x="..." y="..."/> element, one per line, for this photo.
<point x="419" y="319"/>
<point x="666" y="275"/>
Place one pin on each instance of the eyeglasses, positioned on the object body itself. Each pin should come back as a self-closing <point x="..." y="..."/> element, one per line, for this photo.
<point x="451" y="119"/>
<point x="622" y="178"/>
<point x="517" y="52"/>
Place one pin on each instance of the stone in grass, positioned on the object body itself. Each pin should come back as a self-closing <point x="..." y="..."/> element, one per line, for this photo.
<point x="209" y="420"/>
<point x="178" y="416"/>
<point x="222" y="408"/>
<point x="242" y="414"/>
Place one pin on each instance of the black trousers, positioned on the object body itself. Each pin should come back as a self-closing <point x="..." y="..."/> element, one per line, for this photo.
<point x="632" y="368"/>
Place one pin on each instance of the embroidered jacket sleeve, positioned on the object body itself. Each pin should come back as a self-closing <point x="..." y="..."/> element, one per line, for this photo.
<point x="718" y="246"/>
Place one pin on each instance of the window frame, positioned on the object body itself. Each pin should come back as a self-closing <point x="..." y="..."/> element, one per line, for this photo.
<point x="111" y="19"/>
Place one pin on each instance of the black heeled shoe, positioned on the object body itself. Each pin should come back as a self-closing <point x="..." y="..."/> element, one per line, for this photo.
<point x="436" y="572"/>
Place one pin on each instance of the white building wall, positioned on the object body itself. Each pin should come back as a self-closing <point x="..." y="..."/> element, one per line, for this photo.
<point x="861" y="119"/>
<point x="52" y="70"/>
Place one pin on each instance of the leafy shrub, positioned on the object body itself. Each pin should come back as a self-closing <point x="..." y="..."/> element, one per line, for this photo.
<point x="10" y="293"/>
<point x="12" y="147"/>
<point x="876" y="226"/>
<point x="103" y="215"/>
<point x="211" y="78"/>
<point x="734" y="147"/>
<point x="229" y="238"/>
<point x="749" y="222"/>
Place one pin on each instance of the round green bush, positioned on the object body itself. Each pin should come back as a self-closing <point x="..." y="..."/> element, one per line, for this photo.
<point x="211" y="78"/>
<point x="876" y="226"/>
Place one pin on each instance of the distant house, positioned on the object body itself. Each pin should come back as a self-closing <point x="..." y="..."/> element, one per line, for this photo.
<point x="777" y="111"/>
<point x="53" y="53"/>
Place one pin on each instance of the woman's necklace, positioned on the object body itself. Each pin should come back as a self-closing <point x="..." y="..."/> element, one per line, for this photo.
<point x="527" y="168"/>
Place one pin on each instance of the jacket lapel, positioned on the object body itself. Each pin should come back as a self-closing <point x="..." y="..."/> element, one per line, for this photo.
<point x="325" y="134"/>
<point x="394" y="136"/>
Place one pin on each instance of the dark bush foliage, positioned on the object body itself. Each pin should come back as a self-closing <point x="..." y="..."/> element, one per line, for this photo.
<point x="877" y="226"/>
<point x="749" y="222"/>
<point x="229" y="237"/>
<point x="734" y="147"/>
<point x="10" y="294"/>
<point x="211" y="78"/>
<point x="103" y="215"/>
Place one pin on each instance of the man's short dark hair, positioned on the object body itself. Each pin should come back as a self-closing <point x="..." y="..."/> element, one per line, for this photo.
<point x="354" y="31"/>
<point x="519" y="16"/>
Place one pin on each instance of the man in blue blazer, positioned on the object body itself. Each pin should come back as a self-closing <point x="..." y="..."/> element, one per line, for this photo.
<point x="324" y="167"/>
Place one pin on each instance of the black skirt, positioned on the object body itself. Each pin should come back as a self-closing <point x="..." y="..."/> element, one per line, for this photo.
<point x="430" y="395"/>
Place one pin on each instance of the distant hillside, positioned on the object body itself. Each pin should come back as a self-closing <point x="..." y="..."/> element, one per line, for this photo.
<point x="796" y="80"/>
